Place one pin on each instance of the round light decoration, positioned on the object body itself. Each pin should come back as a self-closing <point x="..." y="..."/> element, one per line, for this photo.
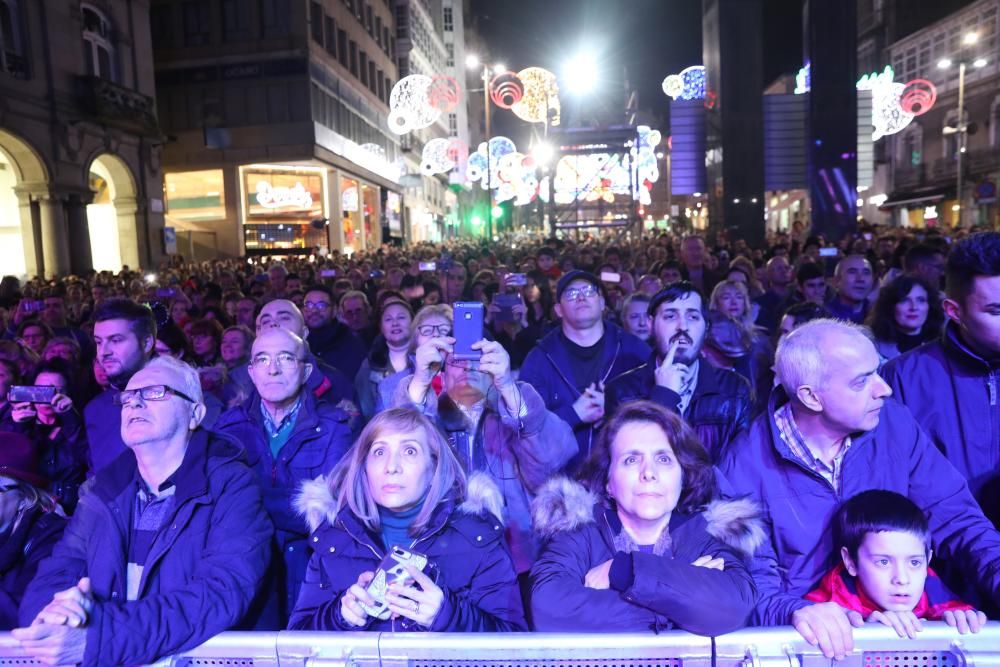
<point x="918" y="97"/>
<point x="410" y="106"/>
<point x="540" y="96"/>
<point x="506" y="90"/>
<point x="442" y="155"/>
<point x="444" y="93"/>
<point x="688" y="85"/>
<point x="475" y="169"/>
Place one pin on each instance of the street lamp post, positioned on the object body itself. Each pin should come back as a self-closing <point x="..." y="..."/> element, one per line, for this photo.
<point x="472" y="62"/>
<point x="961" y="128"/>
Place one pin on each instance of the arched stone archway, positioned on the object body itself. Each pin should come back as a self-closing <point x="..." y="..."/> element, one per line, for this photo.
<point x="111" y="217"/>
<point x="23" y="177"/>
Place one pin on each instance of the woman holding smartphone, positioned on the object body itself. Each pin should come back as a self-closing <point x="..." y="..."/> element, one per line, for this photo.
<point x="400" y="489"/>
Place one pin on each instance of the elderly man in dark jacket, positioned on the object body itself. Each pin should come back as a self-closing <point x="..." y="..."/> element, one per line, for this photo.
<point x="714" y="401"/>
<point x="168" y="547"/>
<point x="830" y="432"/>
<point x="289" y="437"/>
<point x="569" y="366"/>
<point x="951" y="385"/>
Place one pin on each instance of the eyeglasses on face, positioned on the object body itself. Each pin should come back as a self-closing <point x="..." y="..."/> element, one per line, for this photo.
<point x="282" y="359"/>
<point x="434" y="330"/>
<point x="578" y="293"/>
<point x="155" y="392"/>
<point x="316" y="305"/>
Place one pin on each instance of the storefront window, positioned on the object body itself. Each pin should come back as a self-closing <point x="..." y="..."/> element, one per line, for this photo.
<point x="373" y="231"/>
<point x="350" y="208"/>
<point x="193" y="197"/>
<point x="284" y="208"/>
<point x="394" y="219"/>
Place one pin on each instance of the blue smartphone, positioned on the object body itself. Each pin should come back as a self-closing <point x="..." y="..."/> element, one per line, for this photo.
<point x="468" y="329"/>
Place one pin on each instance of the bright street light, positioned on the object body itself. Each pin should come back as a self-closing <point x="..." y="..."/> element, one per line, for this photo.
<point x="499" y="69"/>
<point x="979" y="62"/>
<point x="944" y="63"/>
<point x="542" y="152"/>
<point x="970" y="38"/>
<point x="579" y="73"/>
<point x="472" y="61"/>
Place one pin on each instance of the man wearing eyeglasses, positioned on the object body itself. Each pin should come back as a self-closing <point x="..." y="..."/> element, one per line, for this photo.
<point x="166" y="550"/>
<point x="570" y="365"/>
<point x="290" y="436"/>
<point x="329" y="339"/>
<point x="495" y="425"/>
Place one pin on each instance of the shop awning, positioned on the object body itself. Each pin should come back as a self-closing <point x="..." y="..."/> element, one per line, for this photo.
<point x="925" y="196"/>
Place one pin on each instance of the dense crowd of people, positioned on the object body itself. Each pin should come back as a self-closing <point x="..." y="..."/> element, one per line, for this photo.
<point x="645" y="433"/>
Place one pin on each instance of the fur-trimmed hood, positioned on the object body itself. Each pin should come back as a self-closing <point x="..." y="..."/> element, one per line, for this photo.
<point x="563" y="505"/>
<point x="315" y="500"/>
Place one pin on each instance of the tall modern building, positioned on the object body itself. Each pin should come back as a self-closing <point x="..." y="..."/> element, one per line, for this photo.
<point x="80" y="171"/>
<point x="276" y="119"/>
<point x="425" y="29"/>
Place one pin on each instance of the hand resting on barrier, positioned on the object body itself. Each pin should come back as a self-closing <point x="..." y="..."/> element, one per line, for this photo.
<point x="827" y="626"/>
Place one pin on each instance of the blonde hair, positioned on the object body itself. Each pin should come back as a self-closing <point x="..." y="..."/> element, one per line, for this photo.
<point x="348" y="481"/>
<point x="746" y="319"/>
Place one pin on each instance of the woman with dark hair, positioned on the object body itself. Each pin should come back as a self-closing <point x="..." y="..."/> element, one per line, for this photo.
<point x="907" y="313"/>
<point x="30" y="523"/>
<point x="642" y="544"/>
<point x="206" y="337"/>
<point x="400" y="485"/>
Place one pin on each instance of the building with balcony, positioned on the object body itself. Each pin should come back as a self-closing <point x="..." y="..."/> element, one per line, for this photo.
<point x="923" y="158"/>
<point x="80" y="175"/>
<point x="276" y="117"/>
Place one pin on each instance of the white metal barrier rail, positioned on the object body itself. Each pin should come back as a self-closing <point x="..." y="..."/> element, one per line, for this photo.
<point x="874" y="646"/>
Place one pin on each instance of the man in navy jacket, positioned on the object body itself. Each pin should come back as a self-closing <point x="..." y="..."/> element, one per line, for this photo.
<point x="951" y="385"/>
<point x="830" y="432"/>
<point x="569" y="366"/>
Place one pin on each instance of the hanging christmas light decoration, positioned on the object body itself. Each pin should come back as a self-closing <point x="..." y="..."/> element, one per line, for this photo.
<point x="688" y="85"/>
<point x="434" y="158"/>
<point x="409" y="104"/>
<point x="918" y="97"/>
<point x="540" y="96"/>
<point x="444" y="93"/>
<point x="506" y="90"/>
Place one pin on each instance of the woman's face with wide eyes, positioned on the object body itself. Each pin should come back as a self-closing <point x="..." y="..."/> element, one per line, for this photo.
<point x="645" y="478"/>
<point x="399" y="469"/>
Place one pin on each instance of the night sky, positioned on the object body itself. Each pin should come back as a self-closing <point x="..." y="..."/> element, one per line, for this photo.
<point x="649" y="38"/>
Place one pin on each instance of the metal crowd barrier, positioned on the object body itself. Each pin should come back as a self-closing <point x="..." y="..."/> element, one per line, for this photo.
<point x="874" y="646"/>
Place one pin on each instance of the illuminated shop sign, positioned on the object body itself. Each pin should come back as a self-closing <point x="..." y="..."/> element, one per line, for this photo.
<point x="280" y="194"/>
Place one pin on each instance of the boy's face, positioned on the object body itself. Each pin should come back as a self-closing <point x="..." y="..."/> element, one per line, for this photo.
<point x="891" y="569"/>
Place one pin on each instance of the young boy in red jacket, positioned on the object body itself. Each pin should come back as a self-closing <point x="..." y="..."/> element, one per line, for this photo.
<point x="885" y="549"/>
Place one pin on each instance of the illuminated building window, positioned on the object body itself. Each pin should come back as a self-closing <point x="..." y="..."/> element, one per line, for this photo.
<point x="98" y="44"/>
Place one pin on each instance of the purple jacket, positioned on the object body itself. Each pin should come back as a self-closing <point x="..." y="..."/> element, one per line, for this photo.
<point x="204" y="566"/>
<point x="952" y="393"/>
<point x="466" y="553"/>
<point x="798" y="504"/>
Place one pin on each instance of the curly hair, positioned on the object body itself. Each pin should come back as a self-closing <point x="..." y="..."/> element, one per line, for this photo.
<point x="699" y="484"/>
<point x="882" y="319"/>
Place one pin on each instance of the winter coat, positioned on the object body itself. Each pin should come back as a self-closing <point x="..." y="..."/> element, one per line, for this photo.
<point x="664" y="591"/>
<point x="320" y="438"/>
<point x="30" y="541"/>
<point x="466" y="553"/>
<point x="518" y="453"/>
<point x="718" y="411"/>
<point x="799" y="504"/>
<point x="547" y="368"/>
<point x="62" y="459"/>
<point x="338" y="347"/>
<point x="953" y="394"/>
<point x="373" y="374"/>
<point x="203" y="569"/>
<point x="103" y="425"/>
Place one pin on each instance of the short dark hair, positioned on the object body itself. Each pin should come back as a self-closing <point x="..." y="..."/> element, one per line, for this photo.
<point x="975" y="256"/>
<point x="808" y="271"/>
<point x="139" y="316"/>
<point x="678" y="290"/>
<point x="698" y="479"/>
<point x="545" y="250"/>
<point x="63" y="369"/>
<point x="920" y="254"/>
<point x="321" y="288"/>
<point x="877" y="511"/>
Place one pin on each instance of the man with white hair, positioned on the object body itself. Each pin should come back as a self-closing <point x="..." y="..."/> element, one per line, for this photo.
<point x="290" y="436"/>
<point x="166" y="549"/>
<point x="829" y="433"/>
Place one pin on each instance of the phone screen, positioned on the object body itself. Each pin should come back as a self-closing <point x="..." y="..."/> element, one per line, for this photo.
<point x="468" y="329"/>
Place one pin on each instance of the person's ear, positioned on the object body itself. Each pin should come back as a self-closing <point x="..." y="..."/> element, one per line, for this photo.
<point x="558" y="308"/>
<point x="148" y="344"/>
<point x="953" y="309"/>
<point x="197" y="415"/>
<point x="808" y="396"/>
<point x="849" y="564"/>
<point x="307" y="371"/>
